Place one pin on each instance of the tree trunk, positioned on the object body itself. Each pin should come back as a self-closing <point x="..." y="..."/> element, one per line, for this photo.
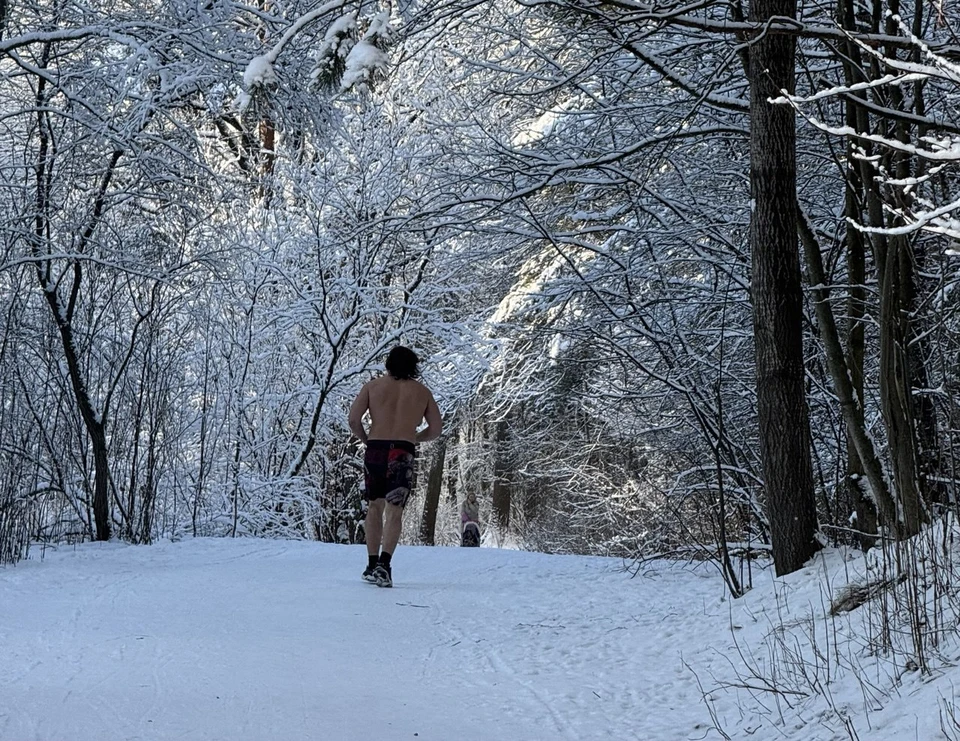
<point x="896" y="387"/>
<point x="777" y="298"/>
<point x="428" y="523"/>
<point x="148" y="497"/>
<point x="92" y="419"/>
<point x="101" y="468"/>
<point x="897" y="288"/>
<point x="501" y="482"/>
<point x="851" y="405"/>
<point x="931" y="479"/>
<point x="929" y="473"/>
<point x="859" y="503"/>
<point x="895" y="277"/>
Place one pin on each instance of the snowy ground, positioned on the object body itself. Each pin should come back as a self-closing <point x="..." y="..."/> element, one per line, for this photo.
<point x="275" y="640"/>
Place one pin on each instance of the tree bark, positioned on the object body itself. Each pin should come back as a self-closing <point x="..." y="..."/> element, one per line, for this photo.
<point x="859" y="503"/>
<point x="428" y="523"/>
<point x="896" y="387"/>
<point x="931" y="486"/>
<point x="851" y="405"/>
<point x="899" y="508"/>
<point x="501" y="482"/>
<point x="897" y="290"/>
<point x="777" y="298"/>
<point x="94" y="421"/>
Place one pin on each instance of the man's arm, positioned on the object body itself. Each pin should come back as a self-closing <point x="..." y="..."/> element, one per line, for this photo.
<point x="357" y="410"/>
<point x="434" y="422"/>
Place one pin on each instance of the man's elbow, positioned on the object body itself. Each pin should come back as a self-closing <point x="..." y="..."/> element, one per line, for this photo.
<point x="428" y="433"/>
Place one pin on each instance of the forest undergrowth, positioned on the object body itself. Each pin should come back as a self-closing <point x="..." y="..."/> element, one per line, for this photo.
<point x="851" y="645"/>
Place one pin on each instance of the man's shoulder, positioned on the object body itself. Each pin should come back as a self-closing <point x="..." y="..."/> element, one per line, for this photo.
<point x="422" y="388"/>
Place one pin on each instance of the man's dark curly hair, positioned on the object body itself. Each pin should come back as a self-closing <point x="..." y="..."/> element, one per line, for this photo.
<point x="402" y="363"/>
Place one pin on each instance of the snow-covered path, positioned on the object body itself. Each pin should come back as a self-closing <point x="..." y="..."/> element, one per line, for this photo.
<point x="264" y="640"/>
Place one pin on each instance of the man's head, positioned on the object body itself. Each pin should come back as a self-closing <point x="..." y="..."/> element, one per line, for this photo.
<point x="402" y="363"/>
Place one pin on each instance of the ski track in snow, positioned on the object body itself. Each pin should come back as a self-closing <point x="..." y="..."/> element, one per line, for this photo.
<point x="261" y="640"/>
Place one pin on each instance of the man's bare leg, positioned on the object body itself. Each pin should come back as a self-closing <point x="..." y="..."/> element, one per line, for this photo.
<point x="391" y="528"/>
<point x="373" y="526"/>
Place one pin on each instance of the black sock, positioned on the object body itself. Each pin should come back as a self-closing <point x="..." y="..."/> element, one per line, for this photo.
<point x="385" y="558"/>
<point x="371" y="561"/>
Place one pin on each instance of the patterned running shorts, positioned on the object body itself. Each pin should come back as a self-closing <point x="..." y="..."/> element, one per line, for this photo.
<point x="388" y="468"/>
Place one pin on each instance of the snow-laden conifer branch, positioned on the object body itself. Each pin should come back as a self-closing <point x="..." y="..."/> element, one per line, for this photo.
<point x="340" y="58"/>
<point x="260" y="72"/>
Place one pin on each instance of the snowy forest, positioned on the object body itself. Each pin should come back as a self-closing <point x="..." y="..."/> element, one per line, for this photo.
<point x="682" y="274"/>
<point x="684" y="277"/>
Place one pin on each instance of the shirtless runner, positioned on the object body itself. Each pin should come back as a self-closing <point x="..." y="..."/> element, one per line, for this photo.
<point x="398" y="403"/>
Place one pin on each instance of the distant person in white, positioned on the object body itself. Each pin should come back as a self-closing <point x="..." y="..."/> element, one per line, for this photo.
<point x="397" y="403"/>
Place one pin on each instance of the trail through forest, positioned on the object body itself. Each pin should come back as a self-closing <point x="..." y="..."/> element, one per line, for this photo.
<point x="281" y="640"/>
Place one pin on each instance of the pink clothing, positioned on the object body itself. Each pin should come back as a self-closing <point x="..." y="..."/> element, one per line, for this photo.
<point x="469" y="512"/>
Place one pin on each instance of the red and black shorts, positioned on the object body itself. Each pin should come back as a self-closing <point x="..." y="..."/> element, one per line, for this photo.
<point x="388" y="468"/>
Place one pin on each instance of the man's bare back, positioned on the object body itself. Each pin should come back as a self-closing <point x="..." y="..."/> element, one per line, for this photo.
<point x="397" y="407"/>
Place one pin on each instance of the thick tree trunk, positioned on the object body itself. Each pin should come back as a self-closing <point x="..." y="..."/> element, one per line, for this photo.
<point x="101" y="468"/>
<point x="501" y="482"/>
<point x="428" y="523"/>
<point x="777" y="298"/>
